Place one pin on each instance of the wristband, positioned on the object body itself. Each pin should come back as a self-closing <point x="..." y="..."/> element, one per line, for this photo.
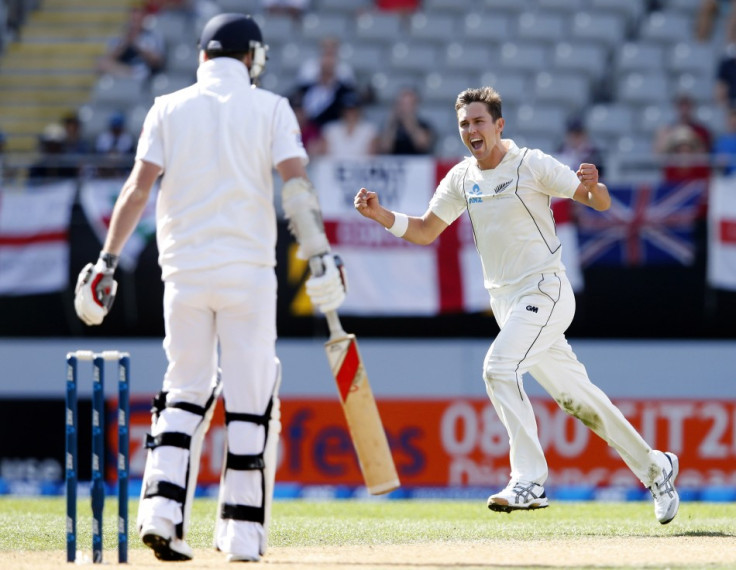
<point x="401" y="224"/>
<point x="110" y="260"/>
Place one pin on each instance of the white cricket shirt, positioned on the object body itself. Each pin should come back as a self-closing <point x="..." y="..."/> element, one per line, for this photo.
<point x="508" y="206"/>
<point x="217" y="142"/>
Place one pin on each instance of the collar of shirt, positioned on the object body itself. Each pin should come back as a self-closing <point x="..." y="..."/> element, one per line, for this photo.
<point x="222" y="68"/>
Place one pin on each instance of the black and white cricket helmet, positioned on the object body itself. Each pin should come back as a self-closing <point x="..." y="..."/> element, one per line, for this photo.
<point x="235" y="33"/>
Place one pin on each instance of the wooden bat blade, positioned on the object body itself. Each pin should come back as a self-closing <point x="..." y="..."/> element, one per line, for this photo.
<point x="361" y="414"/>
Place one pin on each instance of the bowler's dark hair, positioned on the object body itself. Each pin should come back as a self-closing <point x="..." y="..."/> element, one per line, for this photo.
<point x="487" y="95"/>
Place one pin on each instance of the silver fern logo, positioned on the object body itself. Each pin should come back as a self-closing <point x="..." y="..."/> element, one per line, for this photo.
<point x="501" y="187"/>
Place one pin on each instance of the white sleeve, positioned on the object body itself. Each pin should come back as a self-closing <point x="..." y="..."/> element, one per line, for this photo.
<point x="150" y="142"/>
<point x="448" y="201"/>
<point x="287" y="136"/>
<point x="555" y="178"/>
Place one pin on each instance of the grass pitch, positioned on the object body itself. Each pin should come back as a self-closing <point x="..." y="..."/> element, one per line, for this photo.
<point x="308" y="528"/>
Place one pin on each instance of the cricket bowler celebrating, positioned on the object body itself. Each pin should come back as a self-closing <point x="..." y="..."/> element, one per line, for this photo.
<point x="506" y="191"/>
<point x="216" y="144"/>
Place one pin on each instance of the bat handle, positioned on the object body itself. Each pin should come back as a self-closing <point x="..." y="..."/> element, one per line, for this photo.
<point x="333" y="322"/>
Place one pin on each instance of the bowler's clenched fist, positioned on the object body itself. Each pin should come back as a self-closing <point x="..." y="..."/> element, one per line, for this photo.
<point x="366" y="202"/>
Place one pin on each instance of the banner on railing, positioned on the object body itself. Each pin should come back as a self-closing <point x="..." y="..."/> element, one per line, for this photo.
<point x="387" y="275"/>
<point x="462" y="443"/>
<point x="645" y="225"/>
<point x="98" y="196"/>
<point x="34" y="238"/>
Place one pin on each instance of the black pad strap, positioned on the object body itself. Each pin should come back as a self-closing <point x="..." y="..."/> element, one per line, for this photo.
<point x="166" y="490"/>
<point x="189" y="407"/>
<point x="260" y="420"/>
<point x="250" y="418"/>
<point x="159" y="404"/>
<point x="244" y="462"/>
<point x="170" y="439"/>
<point x="243" y="513"/>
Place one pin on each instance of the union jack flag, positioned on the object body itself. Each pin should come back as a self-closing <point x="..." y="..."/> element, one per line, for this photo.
<point x="645" y="225"/>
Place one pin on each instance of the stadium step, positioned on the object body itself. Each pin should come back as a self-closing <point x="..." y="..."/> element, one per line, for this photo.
<point x="64" y="80"/>
<point x="50" y="69"/>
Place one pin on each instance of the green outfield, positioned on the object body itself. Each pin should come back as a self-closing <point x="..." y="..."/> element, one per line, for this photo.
<point x="610" y="532"/>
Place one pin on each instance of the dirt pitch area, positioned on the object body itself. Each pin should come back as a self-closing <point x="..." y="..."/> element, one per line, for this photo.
<point x="663" y="552"/>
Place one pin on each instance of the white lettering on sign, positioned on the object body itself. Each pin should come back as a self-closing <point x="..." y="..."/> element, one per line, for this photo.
<point x="712" y="444"/>
<point x="459" y="429"/>
<point x="675" y="414"/>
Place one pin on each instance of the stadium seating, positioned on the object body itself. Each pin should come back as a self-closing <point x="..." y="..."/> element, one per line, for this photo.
<point x="616" y="62"/>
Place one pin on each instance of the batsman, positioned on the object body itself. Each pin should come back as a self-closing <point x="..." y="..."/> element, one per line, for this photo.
<point x="506" y="192"/>
<point x="215" y="145"/>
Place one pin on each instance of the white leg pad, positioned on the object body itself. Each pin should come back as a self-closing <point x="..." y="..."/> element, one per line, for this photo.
<point x="172" y="465"/>
<point x="252" y="488"/>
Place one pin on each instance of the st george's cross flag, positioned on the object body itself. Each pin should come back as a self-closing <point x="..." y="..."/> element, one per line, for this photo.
<point x="34" y="237"/>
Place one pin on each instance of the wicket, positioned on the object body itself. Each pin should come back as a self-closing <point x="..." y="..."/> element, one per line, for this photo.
<point x="97" y="491"/>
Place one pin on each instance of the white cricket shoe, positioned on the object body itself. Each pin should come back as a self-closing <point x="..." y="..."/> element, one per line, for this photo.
<point x="518" y="495"/>
<point x="160" y="536"/>
<point x="666" y="499"/>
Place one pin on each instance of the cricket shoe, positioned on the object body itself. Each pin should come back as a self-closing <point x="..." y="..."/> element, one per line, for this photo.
<point x="160" y="536"/>
<point x="518" y="495"/>
<point x="666" y="499"/>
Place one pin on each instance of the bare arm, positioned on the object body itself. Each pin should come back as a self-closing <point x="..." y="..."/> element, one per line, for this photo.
<point x="130" y="204"/>
<point x="422" y="230"/>
<point x="291" y="168"/>
<point x="591" y="192"/>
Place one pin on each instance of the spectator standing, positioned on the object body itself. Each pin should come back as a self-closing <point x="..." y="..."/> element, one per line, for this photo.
<point x="351" y="136"/>
<point x="405" y="132"/>
<point x="724" y="149"/>
<point x="322" y="97"/>
<point x="139" y="52"/>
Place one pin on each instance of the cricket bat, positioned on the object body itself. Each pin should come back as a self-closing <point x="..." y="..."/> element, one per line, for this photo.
<point x="361" y="412"/>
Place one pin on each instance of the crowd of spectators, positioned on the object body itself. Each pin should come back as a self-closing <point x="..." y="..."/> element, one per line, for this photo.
<point x="330" y="101"/>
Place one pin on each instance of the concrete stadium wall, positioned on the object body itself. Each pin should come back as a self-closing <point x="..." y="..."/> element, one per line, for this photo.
<point x="400" y="368"/>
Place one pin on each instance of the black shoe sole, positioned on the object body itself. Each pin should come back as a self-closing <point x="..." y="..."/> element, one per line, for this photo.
<point x="495" y="507"/>
<point x="162" y="548"/>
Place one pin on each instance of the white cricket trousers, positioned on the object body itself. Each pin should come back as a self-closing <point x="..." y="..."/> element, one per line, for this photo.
<point x="230" y="311"/>
<point x="533" y="319"/>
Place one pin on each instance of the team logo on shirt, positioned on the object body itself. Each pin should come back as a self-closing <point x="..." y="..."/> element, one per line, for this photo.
<point x="501" y="187"/>
<point x="475" y="195"/>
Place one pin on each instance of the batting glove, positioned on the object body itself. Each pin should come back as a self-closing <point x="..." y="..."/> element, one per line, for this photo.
<point x="95" y="290"/>
<point x="328" y="284"/>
